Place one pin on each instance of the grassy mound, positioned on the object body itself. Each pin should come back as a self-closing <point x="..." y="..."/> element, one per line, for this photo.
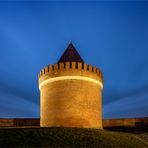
<point x="67" y="137"/>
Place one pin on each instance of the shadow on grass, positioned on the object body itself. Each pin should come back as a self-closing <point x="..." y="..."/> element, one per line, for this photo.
<point x="66" y="137"/>
<point x="129" y="129"/>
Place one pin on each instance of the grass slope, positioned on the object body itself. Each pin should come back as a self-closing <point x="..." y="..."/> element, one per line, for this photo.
<point x="67" y="137"/>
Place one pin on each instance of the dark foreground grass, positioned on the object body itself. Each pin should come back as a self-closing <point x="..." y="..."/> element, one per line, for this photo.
<point x="67" y="137"/>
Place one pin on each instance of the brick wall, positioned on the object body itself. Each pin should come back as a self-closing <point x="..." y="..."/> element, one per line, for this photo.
<point x="125" y="122"/>
<point x="72" y="102"/>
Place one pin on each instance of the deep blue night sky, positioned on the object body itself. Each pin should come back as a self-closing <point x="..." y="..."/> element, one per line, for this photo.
<point x="110" y="35"/>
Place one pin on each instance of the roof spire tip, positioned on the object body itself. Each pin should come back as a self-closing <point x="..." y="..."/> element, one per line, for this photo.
<point x="70" y="55"/>
<point x="70" y="42"/>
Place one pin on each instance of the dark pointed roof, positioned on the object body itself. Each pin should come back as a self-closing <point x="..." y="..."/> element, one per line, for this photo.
<point x="70" y="55"/>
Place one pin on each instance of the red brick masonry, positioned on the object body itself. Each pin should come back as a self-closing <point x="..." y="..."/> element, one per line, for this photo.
<point x="35" y="122"/>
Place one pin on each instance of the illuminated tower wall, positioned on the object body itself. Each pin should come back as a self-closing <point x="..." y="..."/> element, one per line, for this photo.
<point x="70" y="93"/>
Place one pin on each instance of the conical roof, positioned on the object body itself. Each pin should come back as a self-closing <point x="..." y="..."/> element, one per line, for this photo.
<point x="70" y="55"/>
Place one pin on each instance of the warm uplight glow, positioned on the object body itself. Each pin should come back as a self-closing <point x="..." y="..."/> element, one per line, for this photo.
<point x="70" y="78"/>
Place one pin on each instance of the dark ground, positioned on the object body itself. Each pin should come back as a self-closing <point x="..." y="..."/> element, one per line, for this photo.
<point x="71" y="137"/>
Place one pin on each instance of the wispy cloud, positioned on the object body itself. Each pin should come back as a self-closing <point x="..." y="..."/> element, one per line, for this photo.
<point x="12" y="106"/>
<point x="134" y="105"/>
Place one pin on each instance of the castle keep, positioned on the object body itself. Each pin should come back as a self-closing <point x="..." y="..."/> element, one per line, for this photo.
<point x="70" y="93"/>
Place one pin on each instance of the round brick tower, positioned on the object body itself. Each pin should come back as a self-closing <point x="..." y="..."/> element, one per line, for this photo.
<point x="70" y="93"/>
